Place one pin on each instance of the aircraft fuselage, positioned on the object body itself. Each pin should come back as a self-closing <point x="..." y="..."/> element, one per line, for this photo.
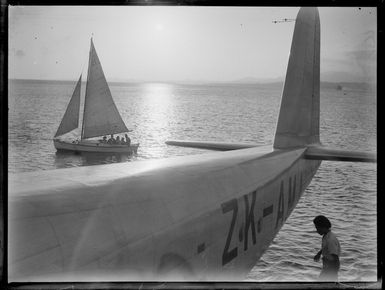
<point x="199" y="217"/>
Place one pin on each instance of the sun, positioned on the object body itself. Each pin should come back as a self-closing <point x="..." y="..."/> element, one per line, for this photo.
<point x="159" y="27"/>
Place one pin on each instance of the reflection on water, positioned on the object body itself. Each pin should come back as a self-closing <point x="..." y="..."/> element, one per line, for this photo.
<point x="157" y="104"/>
<point x="156" y="108"/>
<point x="64" y="159"/>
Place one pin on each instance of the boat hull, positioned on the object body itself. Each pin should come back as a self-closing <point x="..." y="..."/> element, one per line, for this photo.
<point x="88" y="146"/>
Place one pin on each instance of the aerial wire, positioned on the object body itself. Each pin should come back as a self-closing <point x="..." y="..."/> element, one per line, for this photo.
<point x="283" y="20"/>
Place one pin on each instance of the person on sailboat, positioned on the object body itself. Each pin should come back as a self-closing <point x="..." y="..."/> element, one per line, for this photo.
<point x="103" y="140"/>
<point x="118" y="140"/>
<point x="111" y="140"/>
<point x="128" y="140"/>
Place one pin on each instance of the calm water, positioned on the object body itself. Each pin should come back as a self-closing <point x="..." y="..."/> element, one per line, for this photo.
<point x="343" y="191"/>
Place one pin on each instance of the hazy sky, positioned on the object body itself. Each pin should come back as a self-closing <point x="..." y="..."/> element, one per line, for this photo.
<point x="164" y="43"/>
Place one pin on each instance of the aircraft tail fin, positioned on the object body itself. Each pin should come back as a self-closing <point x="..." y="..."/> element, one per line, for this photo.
<point x="298" y="120"/>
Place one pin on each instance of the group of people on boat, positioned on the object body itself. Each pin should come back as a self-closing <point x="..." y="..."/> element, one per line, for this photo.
<point x="116" y="141"/>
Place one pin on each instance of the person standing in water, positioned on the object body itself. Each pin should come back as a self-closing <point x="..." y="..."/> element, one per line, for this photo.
<point x="330" y="250"/>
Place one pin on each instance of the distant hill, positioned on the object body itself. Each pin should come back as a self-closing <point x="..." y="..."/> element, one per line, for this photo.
<point x="329" y="77"/>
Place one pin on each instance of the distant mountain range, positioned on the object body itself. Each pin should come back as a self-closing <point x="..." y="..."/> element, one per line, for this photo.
<point x="334" y="78"/>
<point x="331" y="76"/>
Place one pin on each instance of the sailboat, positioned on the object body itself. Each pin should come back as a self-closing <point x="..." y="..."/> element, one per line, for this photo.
<point x="100" y="118"/>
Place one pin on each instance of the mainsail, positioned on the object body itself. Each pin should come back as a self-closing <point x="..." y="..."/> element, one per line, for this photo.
<point x="70" y="119"/>
<point x="101" y="117"/>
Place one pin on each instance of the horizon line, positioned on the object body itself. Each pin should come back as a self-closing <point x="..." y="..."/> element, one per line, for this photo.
<point x="239" y="81"/>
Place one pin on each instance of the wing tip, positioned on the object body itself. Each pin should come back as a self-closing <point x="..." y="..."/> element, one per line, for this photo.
<point x="330" y="154"/>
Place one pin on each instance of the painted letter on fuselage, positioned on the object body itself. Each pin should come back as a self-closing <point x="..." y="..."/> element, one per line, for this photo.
<point x="231" y="205"/>
<point x="250" y="218"/>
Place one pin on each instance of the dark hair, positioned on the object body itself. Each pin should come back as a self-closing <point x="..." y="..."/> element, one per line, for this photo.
<point x="322" y="222"/>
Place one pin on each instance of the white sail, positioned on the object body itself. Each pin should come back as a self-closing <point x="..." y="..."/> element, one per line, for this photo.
<point x="70" y="119"/>
<point x="101" y="117"/>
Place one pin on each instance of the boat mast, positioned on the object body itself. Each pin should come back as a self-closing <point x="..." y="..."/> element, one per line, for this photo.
<point x="85" y="97"/>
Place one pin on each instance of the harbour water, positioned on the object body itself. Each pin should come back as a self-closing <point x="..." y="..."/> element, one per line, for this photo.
<point x="345" y="192"/>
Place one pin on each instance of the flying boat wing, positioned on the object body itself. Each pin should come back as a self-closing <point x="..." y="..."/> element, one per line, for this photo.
<point x="325" y="153"/>
<point x="219" y="146"/>
<point x="313" y="152"/>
